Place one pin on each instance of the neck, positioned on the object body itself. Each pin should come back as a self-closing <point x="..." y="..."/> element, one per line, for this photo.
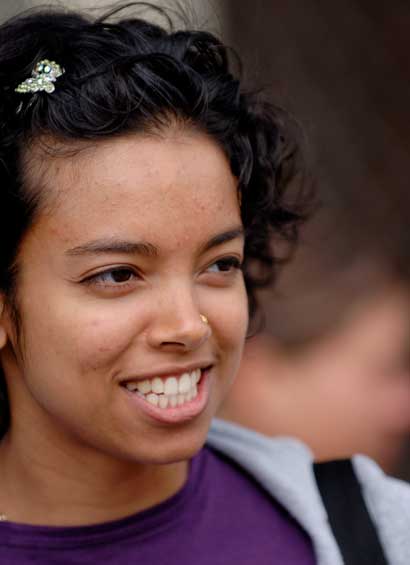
<point x="41" y="484"/>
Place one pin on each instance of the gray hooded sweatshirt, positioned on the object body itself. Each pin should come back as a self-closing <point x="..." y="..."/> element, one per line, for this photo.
<point x="283" y="466"/>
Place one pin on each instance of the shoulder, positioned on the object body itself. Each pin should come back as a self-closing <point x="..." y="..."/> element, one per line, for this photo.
<point x="279" y="464"/>
<point x="388" y="501"/>
<point x="283" y="466"/>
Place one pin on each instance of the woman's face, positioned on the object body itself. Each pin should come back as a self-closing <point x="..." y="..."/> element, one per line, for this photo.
<point x="144" y="236"/>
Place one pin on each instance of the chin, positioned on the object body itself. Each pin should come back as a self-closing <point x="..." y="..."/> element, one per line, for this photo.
<point x="165" y="445"/>
<point x="182" y="446"/>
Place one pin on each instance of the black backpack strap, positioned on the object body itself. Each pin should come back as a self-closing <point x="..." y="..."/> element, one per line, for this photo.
<point x="348" y="516"/>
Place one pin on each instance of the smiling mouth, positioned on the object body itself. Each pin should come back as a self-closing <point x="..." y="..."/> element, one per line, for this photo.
<point x="168" y="392"/>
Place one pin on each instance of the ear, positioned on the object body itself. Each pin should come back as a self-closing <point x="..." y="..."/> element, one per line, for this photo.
<point x="3" y="330"/>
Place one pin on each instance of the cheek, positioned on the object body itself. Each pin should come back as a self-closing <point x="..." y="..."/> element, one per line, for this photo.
<point x="79" y="340"/>
<point x="230" y="323"/>
<point x="70" y="362"/>
<point x="104" y="339"/>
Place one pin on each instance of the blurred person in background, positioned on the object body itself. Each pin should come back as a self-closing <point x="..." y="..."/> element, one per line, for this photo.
<point x="337" y="375"/>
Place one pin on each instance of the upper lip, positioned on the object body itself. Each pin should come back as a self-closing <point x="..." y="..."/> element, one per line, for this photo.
<point x="169" y="371"/>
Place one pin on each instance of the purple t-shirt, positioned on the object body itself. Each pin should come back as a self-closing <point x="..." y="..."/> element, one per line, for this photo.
<point x="221" y="516"/>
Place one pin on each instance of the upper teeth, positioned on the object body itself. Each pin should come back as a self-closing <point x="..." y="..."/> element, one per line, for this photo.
<point x="181" y="384"/>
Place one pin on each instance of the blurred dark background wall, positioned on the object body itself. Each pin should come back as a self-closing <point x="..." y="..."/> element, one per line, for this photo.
<point x="343" y="68"/>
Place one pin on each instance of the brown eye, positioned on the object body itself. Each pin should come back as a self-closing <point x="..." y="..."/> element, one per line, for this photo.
<point x="112" y="277"/>
<point x="225" y="265"/>
<point x="121" y="275"/>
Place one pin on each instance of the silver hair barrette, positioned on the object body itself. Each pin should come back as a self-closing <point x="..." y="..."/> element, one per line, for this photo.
<point x="43" y="77"/>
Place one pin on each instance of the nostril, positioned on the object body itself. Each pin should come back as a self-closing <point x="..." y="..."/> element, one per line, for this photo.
<point x="182" y="330"/>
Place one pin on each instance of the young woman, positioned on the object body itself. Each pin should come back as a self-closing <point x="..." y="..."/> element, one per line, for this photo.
<point x="140" y="187"/>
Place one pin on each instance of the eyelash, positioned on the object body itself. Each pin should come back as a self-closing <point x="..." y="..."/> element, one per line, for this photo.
<point x="97" y="279"/>
<point x="233" y="264"/>
<point x="226" y="265"/>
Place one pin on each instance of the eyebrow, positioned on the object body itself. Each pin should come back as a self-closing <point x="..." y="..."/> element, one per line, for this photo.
<point x="224" y="237"/>
<point x="144" y="248"/>
<point x="100" y="246"/>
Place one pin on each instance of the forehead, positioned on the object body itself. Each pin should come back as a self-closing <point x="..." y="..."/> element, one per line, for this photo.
<point x="162" y="186"/>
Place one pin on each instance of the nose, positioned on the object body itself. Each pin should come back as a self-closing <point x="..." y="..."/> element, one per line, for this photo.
<point x="178" y="324"/>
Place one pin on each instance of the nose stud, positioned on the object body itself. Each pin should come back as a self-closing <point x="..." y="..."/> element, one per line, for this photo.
<point x="204" y="319"/>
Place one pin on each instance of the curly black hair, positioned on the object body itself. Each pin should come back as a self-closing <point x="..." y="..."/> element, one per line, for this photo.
<point x="129" y="75"/>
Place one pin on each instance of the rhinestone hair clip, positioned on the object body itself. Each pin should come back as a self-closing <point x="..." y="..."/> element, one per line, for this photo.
<point x="42" y="78"/>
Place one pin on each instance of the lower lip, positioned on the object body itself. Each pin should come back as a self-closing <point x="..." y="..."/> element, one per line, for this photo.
<point x="178" y="414"/>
